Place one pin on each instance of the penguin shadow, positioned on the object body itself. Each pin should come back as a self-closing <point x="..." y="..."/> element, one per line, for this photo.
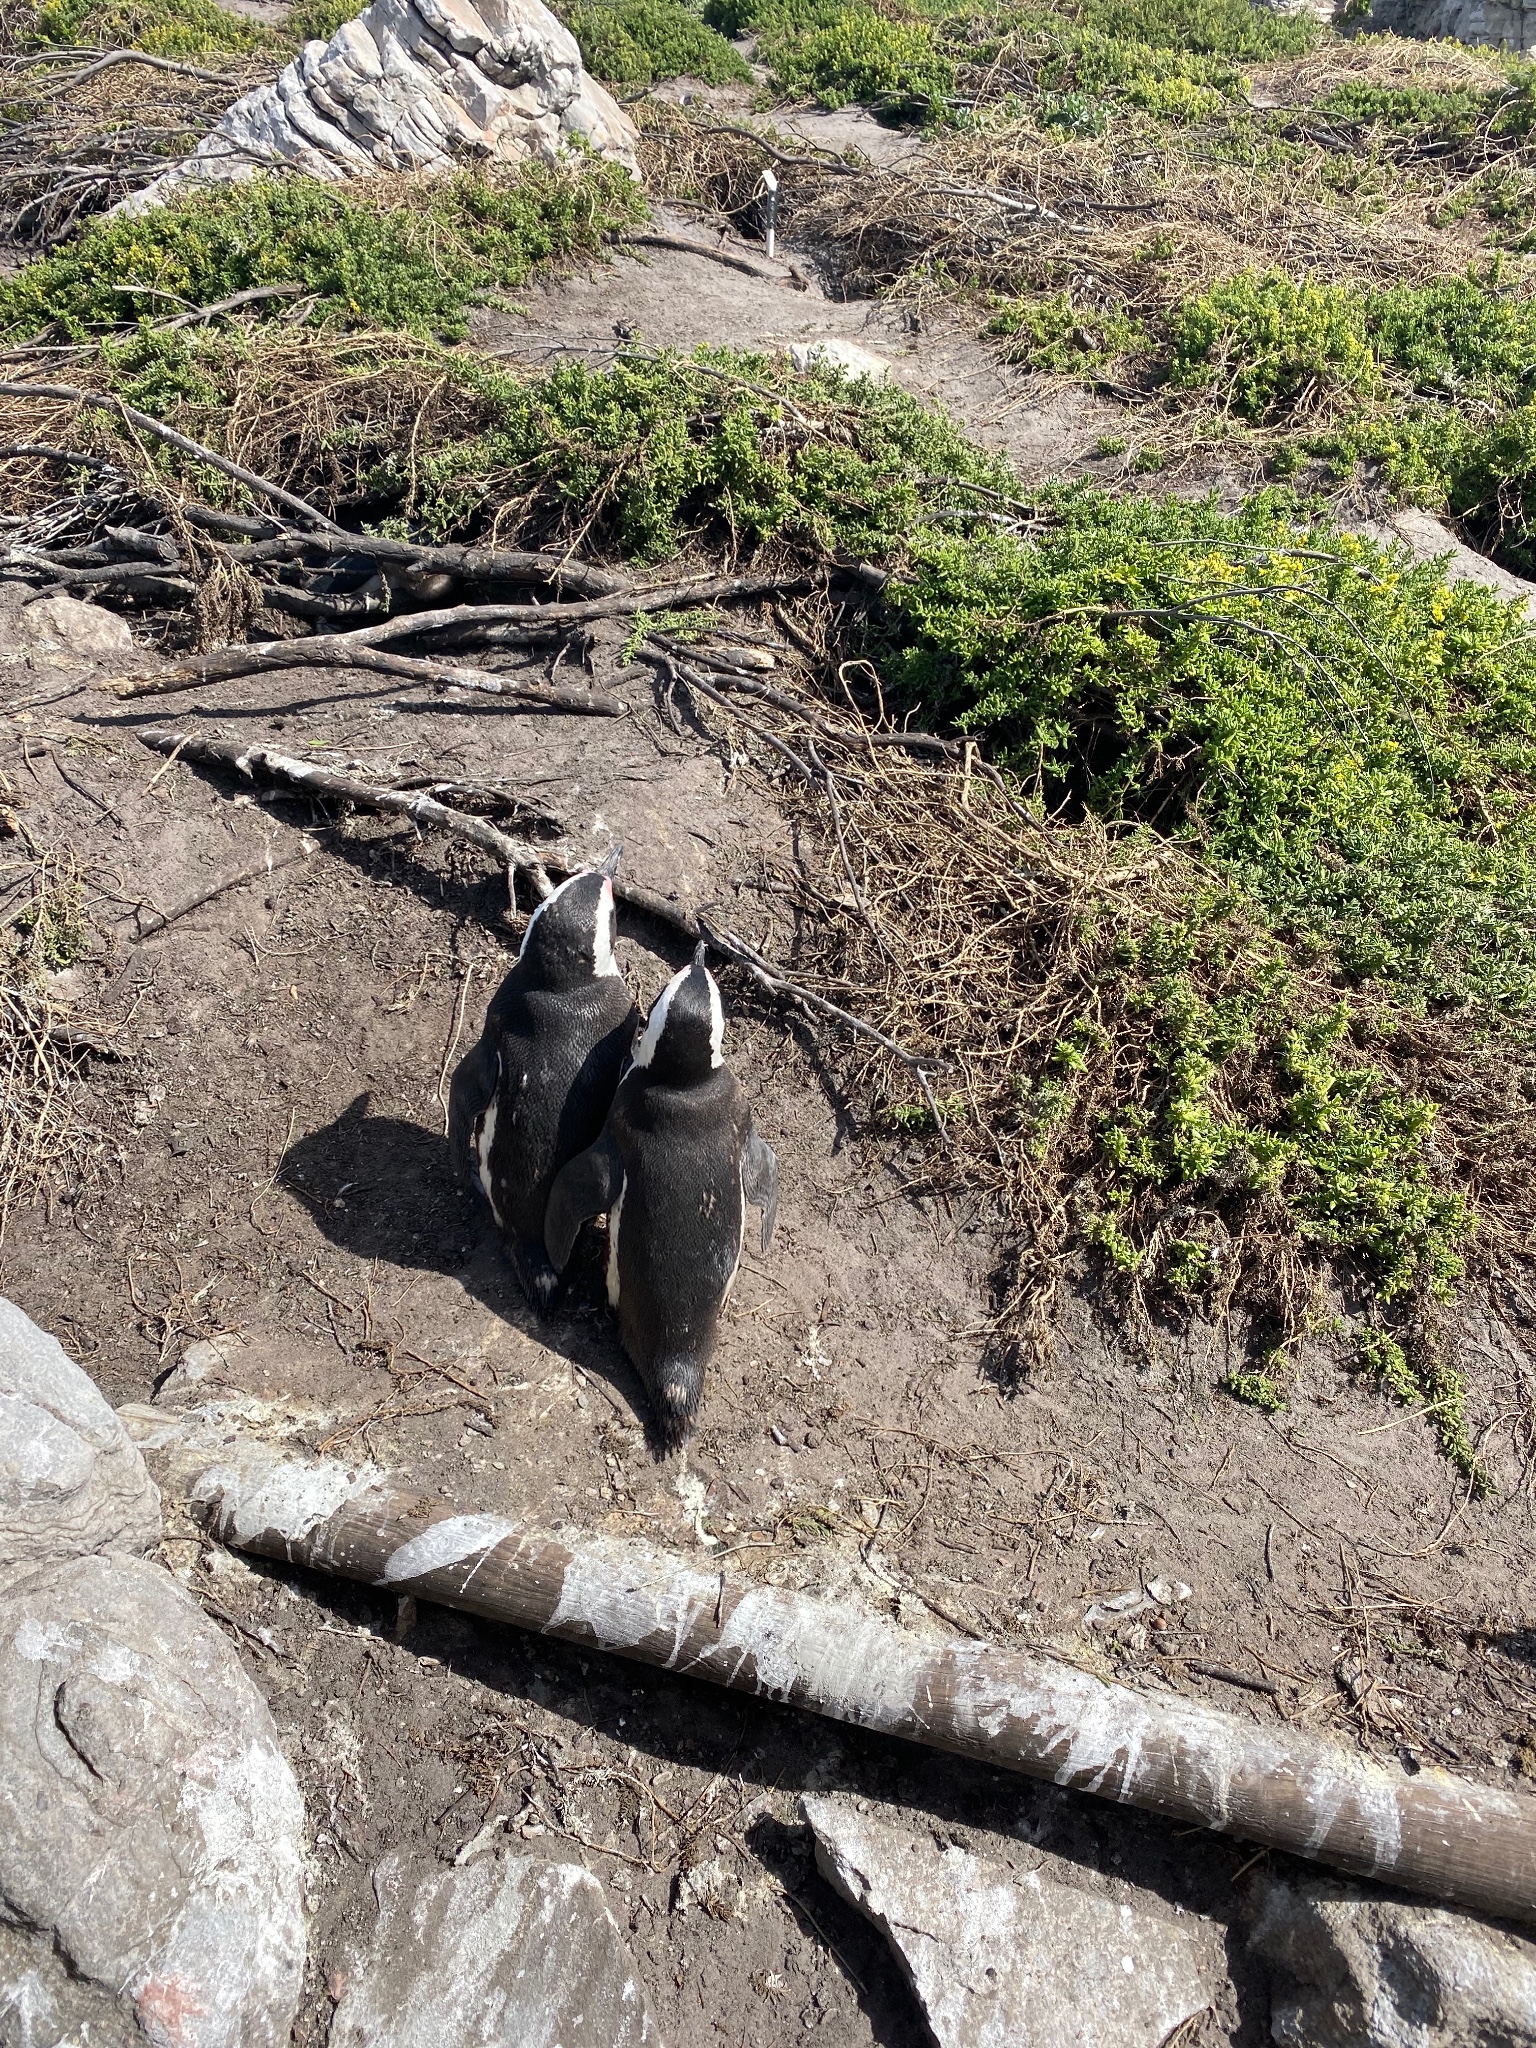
<point x="383" y="1188"/>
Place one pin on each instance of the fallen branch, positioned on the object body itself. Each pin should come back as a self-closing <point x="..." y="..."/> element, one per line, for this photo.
<point x="1268" y="1783"/>
<point x="330" y="650"/>
<point x="522" y="625"/>
<point x="263" y="868"/>
<point x="471" y="564"/>
<point x="100" y="401"/>
<point x="314" y="780"/>
<point x="680" y="245"/>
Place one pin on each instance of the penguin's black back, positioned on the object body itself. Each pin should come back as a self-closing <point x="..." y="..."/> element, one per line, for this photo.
<point x="681" y="1214"/>
<point x="560" y="1055"/>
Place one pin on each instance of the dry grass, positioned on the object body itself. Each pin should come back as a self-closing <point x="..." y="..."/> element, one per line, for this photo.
<point x="48" y="1138"/>
<point x="942" y="910"/>
<point x="1008" y="208"/>
<point x="72" y="145"/>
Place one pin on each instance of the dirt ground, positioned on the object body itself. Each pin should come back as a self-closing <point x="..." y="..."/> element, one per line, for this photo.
<point x="274" y="1178"/>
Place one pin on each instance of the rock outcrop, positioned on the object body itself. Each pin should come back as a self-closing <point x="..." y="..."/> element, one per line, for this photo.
<point x="1000" y="1959"/>
<point x="509" y="1952"/>
<point x="70" y="1480"/>
<point x="151" y="1830"/>
<point x="413" y="85"/>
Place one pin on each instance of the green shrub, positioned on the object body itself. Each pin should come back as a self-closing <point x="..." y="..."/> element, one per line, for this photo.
<point x="636" y="42"/>
<point x="316" y="21"/>
<point x="1256" y="1389"/>
<point x="1054" y="334"/>
<point x="1214" y="28"/>
<point x="862" y="56"/>
<point x="1424" y="1381"/>
<point x="651" y="454"/>
<point x="416" y="265"/>
<point x="1348" y="739"/>
<point x="164" y="28"/>
<point x="1447" y="113"/>
<point x="1265" y="342"/>
<point x="1458" y="333"/>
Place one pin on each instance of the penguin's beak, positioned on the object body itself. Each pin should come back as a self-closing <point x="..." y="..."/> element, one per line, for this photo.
<point x="609" y="864"/>
<point x="701" y="953"/>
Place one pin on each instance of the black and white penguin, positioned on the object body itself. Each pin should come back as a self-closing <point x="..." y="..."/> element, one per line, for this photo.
<point x="535" y="1091"/>
<point x="676" y="1165"/>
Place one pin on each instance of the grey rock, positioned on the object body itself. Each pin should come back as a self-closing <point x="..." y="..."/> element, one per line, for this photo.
<point x="1352" y="1971"/>
<point x="207" y="1359"/>
<point x="42" y="2006"/>
<point x="151" y="1832"/>
<point x="1429" y="539"/>
<point x="832" y="352"/>
<point x="508" y="1952"/>
<point x="65" y="628"/>
<point x="1505" y="24"/>
<point x="71" y="1481"/>
<point x="413" y="85"/>
<point x="1000" y="1959"/>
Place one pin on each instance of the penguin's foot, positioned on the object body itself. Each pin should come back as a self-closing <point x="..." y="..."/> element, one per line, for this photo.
<point x="540" y="1281"/>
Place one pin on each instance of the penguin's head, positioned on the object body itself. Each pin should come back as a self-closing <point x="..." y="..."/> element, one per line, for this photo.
<point x="569" y="939"/>
<point x="684" y="1036"/>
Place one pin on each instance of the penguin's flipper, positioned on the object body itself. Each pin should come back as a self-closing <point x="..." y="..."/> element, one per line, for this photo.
<point x="760" y="1181"/>
<point x="587" y="1186"/>
<point x="473" y="1085"/>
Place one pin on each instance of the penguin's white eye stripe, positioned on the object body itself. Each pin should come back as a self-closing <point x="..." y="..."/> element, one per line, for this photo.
<point x="716" y="1023"/>
<point x="603" y="962"/>
<point x="656" y="1023"/>
<point x="540" y="908"/>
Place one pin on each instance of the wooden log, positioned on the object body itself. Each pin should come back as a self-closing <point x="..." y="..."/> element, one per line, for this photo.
<point x="1273" y="1784"/>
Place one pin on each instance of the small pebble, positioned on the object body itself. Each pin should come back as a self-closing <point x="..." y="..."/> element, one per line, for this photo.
<point x="778" y="1436"/>
<point x="813" y="1439"/>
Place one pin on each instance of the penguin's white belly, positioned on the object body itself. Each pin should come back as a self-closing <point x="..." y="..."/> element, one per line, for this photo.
<point x="613" y="1247"/>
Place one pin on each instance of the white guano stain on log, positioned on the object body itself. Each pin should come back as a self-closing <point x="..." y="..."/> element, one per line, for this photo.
<point x="1293" y="1789"/>
<point x="626" y="1593"/>
<point x="842" y="1661"/>
<point x="256" y="1493"/>
<point x="445" y="1544"/>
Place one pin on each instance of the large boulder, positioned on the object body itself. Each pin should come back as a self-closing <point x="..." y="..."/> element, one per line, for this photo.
<point x="151" y="1831"/>
<point x="413" y="85"/>
<point x="1353" y="1971"/>
<point x="509" y="1952"/>
<point x="71" y="1482"/>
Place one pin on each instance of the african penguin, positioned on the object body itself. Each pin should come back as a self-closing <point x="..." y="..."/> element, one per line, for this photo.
<point x="675" y="1167"/>
<point x="535" y="1090"/>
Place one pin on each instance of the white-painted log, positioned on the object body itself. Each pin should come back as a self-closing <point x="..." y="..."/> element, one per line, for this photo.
<point x="1272" y="1784"/>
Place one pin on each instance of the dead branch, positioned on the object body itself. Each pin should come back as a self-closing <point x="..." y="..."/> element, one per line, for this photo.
<point x="263" y="868"/>
<point x="682" y="246"/>
<point x="101" y="401"/>
<point x="314" y="780"/>
<point x="329" y="650"/>
<point x="518" y="625"/>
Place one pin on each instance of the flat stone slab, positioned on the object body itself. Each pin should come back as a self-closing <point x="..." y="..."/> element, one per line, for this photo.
<point x="509" y="1952"/>
<point x="71" y="1481"/>
<point x="151" y="1830"/>
<point x="1000" y="1959"/>
<point x="1352" y="1971"/>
